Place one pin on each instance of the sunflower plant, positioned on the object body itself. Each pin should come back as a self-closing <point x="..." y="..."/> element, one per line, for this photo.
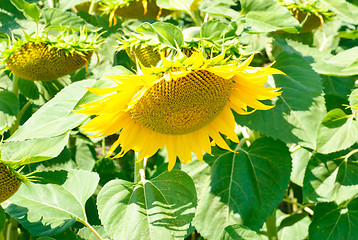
<point x="178" y="120"/>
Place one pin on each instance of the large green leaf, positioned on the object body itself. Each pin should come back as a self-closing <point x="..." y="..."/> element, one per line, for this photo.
<point x="9" y="107"/>
<point x="331" y="178"/>
<point x="53" y="205"/>
<point x="342" y="64"/>
<point x="57" y="117"/>
<point x="340" y="86"/>
<point x="161" y="208"/>
<point x="34" y="150"/>
<point x="336" y="132"/>
<point x="216" y="30"/>
<point x="267" y="16"/>
<point x="245" y="187"/>
<point x="300" y="108"/>
<point x="239" y="232"/>
<point x="346" y="11"/>
<point x="57" y="19"/>
<point x="31" y="11"/>
<point x="332" y="222"/>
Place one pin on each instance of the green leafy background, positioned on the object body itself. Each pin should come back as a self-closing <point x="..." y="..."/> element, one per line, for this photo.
<point x="294" y="175"/>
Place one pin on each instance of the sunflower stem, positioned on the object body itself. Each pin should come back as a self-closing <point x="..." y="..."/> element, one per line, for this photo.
<point x="271" y="226"/>
<point x="15" y="87"/>
<point x="16" y="124"/>
<point x="89" y="226"/>
<point x="139" y="168"/>
<point x="91" y="8"/>
<point x="12" y="229"/>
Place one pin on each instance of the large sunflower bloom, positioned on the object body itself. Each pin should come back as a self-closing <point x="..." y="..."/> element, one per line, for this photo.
<point x="184" y="106"/>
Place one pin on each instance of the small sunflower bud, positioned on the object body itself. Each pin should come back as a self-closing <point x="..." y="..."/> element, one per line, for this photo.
<point x="147" y="56"/>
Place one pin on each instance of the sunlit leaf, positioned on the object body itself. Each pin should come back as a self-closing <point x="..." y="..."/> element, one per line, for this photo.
<point x="50" y="207"/>
<point x="57" y="19"/>
<point x="267" y="16"/>
<point x="86" y="234"/>
<point x="57" y="117"/>
<point x="331" y="177"/>
<point x="167" y="33"/>
<point x="300" y="158"/>
<point x="347" y="11"/>
<point x="335" y="222"/>
<point x="341" y="64"/>
<point x="336" y="132"/>
<point x="161" y="208"/>
<point x="183" y="5"/>
<point x="216" y="30"/>
<point x="34" y="150"/>
<point x="30" y="10"/>
<point x="293" y="226"/>
<point x="240" y="232"/>
<point x="244" y="187"/>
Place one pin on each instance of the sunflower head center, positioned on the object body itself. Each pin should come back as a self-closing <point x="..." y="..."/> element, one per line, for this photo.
<point x="182" y="105"/>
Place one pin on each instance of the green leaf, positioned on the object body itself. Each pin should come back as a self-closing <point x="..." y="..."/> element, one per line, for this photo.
<point x="239" y="232"/>
<point x="84" y="155"/>
<point x="56" y="117"/>
<point x="346" y="11"/>
<point x="336" y="132"/>
<point x="30" y="10"/>
<point x="161" y="208"/>
<point x="183" y="5"/>
<point x="34" y="150"/>
<point x="340" y="86"/>
<point x="245" y="187"/>
<point x="216" y="30"/>
<point x="219" y="8"/>
<point x="341" y="64"/>
<point x="353" y="100"/>
<point x="300" y="108"/>
<point x="167" y="33"/>
<point x="57" y="19"/>
<point x="293" y="227"/>
<point x="330" y="178"/>
<point x="267" y="16"/>
<point x="333" y="222"/>
<point x="64" y="5"/>
<point x="86" y="234"/>
<point x="50" y="207"/>
<point x="300" y="160"/>
<point x="9" y="107"/>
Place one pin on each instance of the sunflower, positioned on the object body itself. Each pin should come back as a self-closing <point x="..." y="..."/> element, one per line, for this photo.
<point x="185" y="106"/>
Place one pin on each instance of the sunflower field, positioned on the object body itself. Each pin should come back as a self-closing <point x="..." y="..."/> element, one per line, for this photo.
<point x="178" y="119"/>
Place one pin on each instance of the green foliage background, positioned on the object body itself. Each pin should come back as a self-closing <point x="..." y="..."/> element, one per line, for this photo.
<point x="295" y="175"/>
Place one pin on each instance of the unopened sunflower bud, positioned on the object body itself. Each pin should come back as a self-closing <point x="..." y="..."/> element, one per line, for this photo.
<point x="146" y="55"/>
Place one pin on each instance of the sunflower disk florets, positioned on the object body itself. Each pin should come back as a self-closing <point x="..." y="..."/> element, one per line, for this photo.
<point x="45" y="58"/>
<point x="181" y="104"/>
